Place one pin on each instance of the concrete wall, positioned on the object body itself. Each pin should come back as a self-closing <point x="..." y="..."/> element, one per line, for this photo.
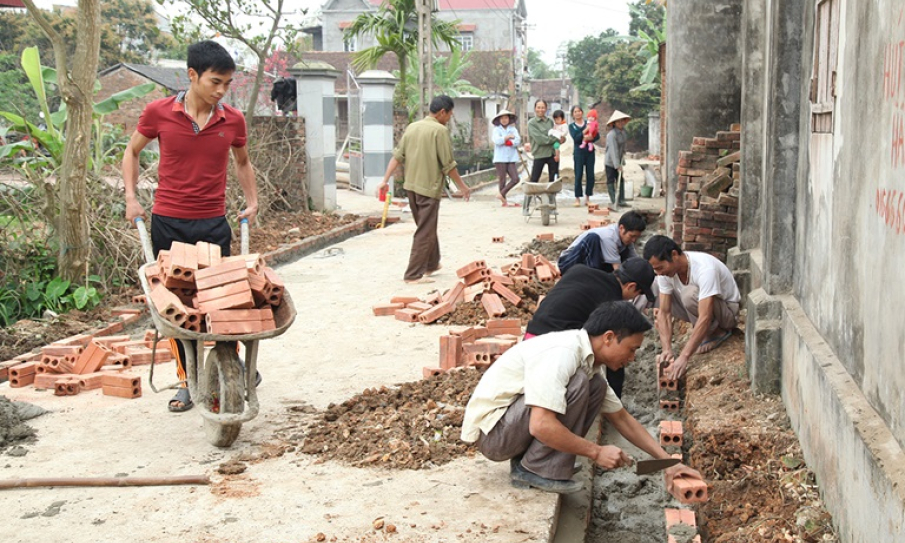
<point x="703" y="75"/>
<point x="821" y="230"/>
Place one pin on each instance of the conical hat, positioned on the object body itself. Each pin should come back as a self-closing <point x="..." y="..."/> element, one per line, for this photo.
<point x="617" y="116"/>
<point x="512" y="117"/>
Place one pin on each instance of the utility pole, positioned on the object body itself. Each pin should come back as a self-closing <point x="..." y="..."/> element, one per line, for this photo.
<point x="425" y="54"/>
<point x="563" y="92"/>
<point x="520" y="100"/>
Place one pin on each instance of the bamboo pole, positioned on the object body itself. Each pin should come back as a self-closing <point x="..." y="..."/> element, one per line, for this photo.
<point x="105" y="481"/>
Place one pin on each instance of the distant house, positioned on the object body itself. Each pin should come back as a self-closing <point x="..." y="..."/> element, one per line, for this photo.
<point x="125" y="76"/>
<point x="558" y="93"/>
<point x="484" y="25"/>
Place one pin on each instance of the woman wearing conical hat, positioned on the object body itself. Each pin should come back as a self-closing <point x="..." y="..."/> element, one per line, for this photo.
<point x="505" y="152"/>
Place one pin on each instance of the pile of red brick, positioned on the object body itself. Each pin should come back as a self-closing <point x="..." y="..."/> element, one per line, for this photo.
<point x="476" y="346"/>
<point x="599" y="217"/>
<point x="195" y="288"/>
<point x="85" y="362"/>
<point x="477" y="282"/>
<point x="705" y="217"/>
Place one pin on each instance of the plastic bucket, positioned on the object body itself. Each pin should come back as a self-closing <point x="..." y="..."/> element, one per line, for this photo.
<point x="646" y="191"/>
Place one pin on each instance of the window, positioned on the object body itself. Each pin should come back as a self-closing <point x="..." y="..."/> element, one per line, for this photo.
<point x="826" y="54"/>
<point x="466" y="41"/>
<point x="350" y="44"/>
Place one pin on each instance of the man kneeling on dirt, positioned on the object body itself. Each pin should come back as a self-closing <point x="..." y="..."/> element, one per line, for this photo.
<point x="605" y="247"/>
<point x="577" y="294"/>
<point x="534" y="405"/>
<point x="694" y="287"/>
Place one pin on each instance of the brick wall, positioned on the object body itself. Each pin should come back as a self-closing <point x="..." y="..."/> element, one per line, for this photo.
<point x="705" y="217"/>
<point x="128" y="113"/>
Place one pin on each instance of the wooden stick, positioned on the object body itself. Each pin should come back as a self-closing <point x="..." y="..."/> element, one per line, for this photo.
<point x="105" y="481"/>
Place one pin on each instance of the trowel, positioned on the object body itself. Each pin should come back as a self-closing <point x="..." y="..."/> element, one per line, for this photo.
<point x="643" y="467"/>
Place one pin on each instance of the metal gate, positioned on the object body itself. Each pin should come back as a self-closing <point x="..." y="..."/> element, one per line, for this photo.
<point x="354" y="148"/>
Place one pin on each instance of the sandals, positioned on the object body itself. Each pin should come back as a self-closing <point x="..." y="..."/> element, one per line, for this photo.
<point x="713" y="343"/>
<point x="182" y="396"/>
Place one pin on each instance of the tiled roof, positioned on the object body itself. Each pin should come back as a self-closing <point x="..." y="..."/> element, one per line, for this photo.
<point x="173" y="79"/>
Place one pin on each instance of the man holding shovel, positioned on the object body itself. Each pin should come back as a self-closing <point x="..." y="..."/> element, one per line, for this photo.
<point x="615" y="154"/>
<point x="535" y="404"/>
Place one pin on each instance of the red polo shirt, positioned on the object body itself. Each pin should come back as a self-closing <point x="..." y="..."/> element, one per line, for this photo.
<point x="192" y="169"/>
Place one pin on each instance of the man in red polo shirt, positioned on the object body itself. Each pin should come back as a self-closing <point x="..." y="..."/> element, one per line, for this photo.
<point x="196" y="134"/>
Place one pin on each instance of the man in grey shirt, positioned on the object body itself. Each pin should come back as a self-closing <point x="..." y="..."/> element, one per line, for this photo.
<point x="607" y="247"/>
<point x="615" y="152"/>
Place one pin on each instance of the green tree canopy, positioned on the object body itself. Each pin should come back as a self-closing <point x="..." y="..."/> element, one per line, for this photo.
<point x="617" y="74"/>
<point x="582" y="57"/>
<point x="129" y="32"/>
<point x="642" y="10"/>
<point x="394" y="25"/>
<point x="537" y="68"/>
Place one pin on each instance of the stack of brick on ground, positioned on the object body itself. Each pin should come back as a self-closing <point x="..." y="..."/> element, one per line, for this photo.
<point x="705" y="217"/>
<point x="85" y="362"/>
<point x="477" y="282"/>
<point x="680" y="525"/>
<point x="598" y="216"/>
<point x="476" y="346"/>
<point x="195" y="288"/>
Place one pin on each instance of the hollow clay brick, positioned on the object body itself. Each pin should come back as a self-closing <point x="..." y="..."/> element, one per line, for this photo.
<point x="456" y="294"/>
<point x="671" y="433"/>
<point x="386" y="309"/>
<point x="504" y="291"/>
<point x="126" y="380"/>
<point x="688" y="490"/>
<point x="436" y="312"/>
<point x="547" y="236"/>
<point x="493" y="304"/>
<point x="92" y="358"/>
<point x="430" y="372"/>
<point x="407" y="315"/>
<point x="470" y="267"/>
<point x="403" y="300"/>
<point x="122" y="392"/>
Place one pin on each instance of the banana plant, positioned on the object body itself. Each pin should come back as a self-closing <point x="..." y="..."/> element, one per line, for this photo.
<point x="49" y="155"/>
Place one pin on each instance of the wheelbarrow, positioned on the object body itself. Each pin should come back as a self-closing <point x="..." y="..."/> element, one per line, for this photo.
<point x="541" y="197"/>
<point x="225" y="394"/>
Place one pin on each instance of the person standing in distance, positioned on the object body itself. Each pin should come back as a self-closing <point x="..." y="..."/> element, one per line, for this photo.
<point x="426" y="151"/>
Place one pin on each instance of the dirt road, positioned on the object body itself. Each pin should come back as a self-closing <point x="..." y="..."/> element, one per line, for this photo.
<point x="335" y="350"/>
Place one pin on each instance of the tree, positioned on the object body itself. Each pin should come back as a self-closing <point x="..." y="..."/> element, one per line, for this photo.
<point x="15" y="91"/>
<point x="582" y="57"/>
<point x="226" y="18"/>
<point x="644" y="13"/>
<point x="618" y="73"/>
<point x="537" y="68"/>
<point x="76" y="87"/>
<point x="448" y="78"/>
<point x="128" y="33"/>
<point x="394" y="25"/>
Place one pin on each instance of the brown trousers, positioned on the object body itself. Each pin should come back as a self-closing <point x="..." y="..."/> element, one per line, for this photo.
<point x="425" y="254"/>
<point x="502" y="170"/>
<point x="510" y="437"/>
<point x="685" y="307"/>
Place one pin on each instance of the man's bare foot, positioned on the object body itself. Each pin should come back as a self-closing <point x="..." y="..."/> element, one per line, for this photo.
<point x="502" y="200"/>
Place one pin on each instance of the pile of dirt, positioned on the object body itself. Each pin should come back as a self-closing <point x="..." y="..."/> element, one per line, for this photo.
<point x="13" y="429"/>
<point x="761" y="489"/>
<point x="27" y="334"/>
<point x="278" y="228"/>
<point x="548" y="249"/>
<point x="473" y="313"/>
<point x="409" y="426"/>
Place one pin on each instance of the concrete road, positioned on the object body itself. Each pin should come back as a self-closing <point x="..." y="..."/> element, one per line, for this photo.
<point x="335" y="349"/>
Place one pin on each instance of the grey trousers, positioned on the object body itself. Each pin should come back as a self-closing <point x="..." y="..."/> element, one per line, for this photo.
<point x="510" y="437"/>
<point x="425" y="255"/>
<point x="685" y="307"/>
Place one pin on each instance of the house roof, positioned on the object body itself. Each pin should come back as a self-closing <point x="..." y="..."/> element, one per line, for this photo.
<point x="11" y="4"/>
<point x="173" y="79"/>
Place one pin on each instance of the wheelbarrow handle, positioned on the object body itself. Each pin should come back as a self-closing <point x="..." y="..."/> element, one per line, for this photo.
<point x="243" y="234"/>
<point x="145" y="240"/>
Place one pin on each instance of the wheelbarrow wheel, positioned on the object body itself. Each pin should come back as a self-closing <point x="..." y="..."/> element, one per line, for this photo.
<point x="544" y="214"/>
<point x="223" y="375"/>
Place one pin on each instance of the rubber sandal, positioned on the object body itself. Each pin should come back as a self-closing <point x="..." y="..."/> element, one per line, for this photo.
<point x="712" y="344"/>
<point x="182" y="396"/>
<point x="515" y="204"/>
<point x="421" y="280"/>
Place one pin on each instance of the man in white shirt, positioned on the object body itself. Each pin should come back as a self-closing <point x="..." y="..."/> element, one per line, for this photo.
<point x="694" y="287"/>
<point x="535" y="404"/>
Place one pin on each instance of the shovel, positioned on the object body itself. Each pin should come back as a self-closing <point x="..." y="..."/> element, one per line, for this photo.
<point x="643" y="467"/>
